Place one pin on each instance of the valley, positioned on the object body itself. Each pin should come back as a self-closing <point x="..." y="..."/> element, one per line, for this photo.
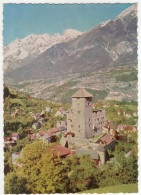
<point x="111" y="84"/>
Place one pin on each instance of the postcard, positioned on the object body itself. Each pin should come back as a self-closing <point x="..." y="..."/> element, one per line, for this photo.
<point x="70" y="97"/>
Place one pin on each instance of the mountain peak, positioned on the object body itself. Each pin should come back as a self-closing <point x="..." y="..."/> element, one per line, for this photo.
<point x="130" y="10"/>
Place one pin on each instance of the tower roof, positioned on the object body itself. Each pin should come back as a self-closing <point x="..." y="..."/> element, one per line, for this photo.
<point x="82" y="93"/>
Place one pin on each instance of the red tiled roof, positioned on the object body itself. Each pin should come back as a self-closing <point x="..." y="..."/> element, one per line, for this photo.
<point x="14" y="134"/>
<point x="72" y="152"/>
<point x="50" y="131"/>
<point x="45" y="133"/>
<point x="18" y="153"/>
<point x="58" y="150"/>
<point x="107" y="139"/>
<point x="54" y="130"/>
<point x="7" y="139"/>
<point x="32" y="136"/>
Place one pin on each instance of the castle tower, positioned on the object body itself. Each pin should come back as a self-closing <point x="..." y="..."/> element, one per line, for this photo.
<point x="82" y="121"/>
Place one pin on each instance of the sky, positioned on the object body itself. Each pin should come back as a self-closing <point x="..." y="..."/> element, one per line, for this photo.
<point x="21" y="20"/>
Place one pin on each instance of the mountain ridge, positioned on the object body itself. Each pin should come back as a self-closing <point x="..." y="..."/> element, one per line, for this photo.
<point x="109" y="44"/>
<point x="31" y="46"/>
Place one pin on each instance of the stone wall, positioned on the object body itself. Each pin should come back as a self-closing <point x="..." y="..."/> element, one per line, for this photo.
<point x="99" y="120"/>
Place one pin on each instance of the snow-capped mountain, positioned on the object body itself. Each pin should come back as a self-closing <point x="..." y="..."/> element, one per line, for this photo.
<point x="23" y="51"/>
<point x="109" y="44"/>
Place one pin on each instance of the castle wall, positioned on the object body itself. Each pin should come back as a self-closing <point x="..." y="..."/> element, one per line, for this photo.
<point x="99" y="119"/>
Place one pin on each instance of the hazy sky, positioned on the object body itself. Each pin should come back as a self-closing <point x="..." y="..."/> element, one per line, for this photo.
<point x="20" y="20"/>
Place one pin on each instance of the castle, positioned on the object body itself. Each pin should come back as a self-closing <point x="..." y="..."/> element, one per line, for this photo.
<point x="81" y="119"/>
<point x="82" y="125"/>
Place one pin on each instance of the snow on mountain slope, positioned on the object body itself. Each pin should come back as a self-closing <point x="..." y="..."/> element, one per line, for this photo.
<point x="22" y="51"/>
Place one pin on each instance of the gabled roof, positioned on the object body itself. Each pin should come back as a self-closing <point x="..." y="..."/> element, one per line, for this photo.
<point x="107" y="139"/>
<point x="15" y="135"/>
<point x="58" y="150"/>
<point x="82" y="93"/>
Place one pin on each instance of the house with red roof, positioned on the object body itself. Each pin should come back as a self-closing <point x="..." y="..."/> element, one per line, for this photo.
<point x="50" y="134"/>
<point x="126" y="128"/>
<point x="135" y="114"/>
<point x="15" y="156"/>
<point x="128" y="115"/>
<point x="36" y="116"/>
<point x="60" y="151"/>
<point x="9" y="142"/>
<point x="32" y="136"/>
<point x="15" y="136"/>
<point x="108" y="141"/>
<point x="106" y="105"/>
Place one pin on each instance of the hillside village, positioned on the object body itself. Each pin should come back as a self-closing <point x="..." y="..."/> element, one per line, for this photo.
<point x="97" y="129"/>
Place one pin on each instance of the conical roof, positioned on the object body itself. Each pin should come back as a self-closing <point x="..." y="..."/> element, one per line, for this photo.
<point x="82" y="93"/>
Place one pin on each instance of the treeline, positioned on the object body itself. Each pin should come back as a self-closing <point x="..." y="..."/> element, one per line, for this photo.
<point x="41" y="173"/>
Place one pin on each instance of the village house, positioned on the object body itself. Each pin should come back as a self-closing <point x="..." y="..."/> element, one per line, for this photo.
<point x="51" y="134"/>
<point x="36" y="125"/>
<point x="61" y="124"/>
<point x="44" y="135"/>
<point x="109" y="128"/>
<point x="60" y="151"/>
<point x="32" y="136"/>
<point x="36" y="116"/>
<point x="106" y="105"/>
<point x="42" y="121"/>
<point x="16" y="156"/>
<point x="60" y="112"/>
<point x="15" y="114"/>
<point x="48" y="109"/>
<point x="108" y="141"/>
<point x="15" y="136"/>
<point x="135" y="114"/>
<point x="127" y="128"/>
<point x="9" y="142"/>
<point x="128" y="115"/>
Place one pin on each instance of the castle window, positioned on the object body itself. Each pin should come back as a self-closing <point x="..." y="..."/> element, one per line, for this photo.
<point x="89" y="125"/>
<point x="78" y="111"/>
<point x="71" y="126"/>
<point x="79" y="126"/>
<point x="89" y="119"/>
<point x="88" y="103"/>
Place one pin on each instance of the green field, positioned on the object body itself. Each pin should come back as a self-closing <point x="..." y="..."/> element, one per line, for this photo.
<point x="124" y="188"/>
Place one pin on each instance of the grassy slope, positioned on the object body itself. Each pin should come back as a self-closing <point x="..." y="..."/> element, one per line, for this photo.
<point x="124" y="188"/>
